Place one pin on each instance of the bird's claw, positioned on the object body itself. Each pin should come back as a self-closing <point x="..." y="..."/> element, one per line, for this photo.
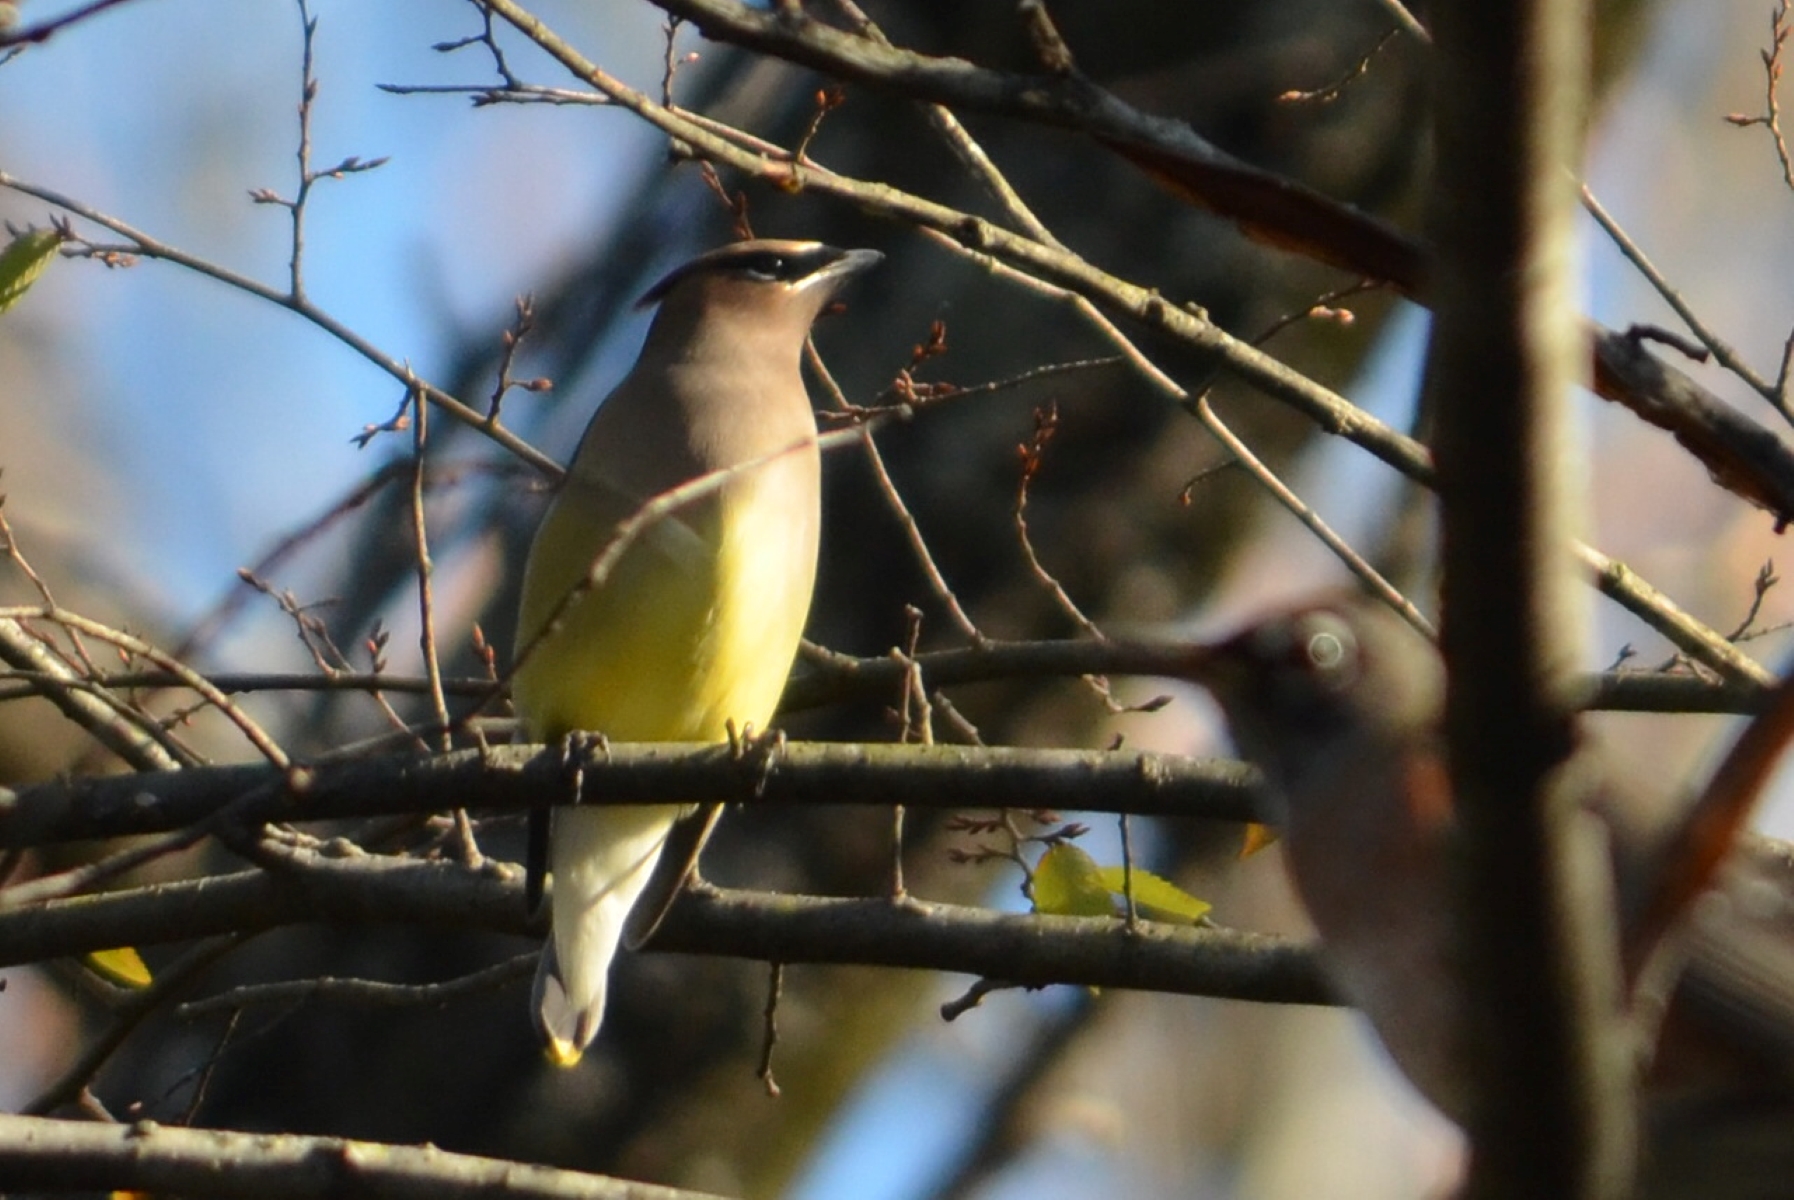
<point x="757" y="752"/>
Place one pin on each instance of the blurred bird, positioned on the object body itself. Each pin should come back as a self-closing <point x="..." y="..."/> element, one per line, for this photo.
<point x="1340" y="703"/>
<point x="693" y="627"/>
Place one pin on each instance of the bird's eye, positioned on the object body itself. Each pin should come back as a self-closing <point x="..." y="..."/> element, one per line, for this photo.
<point x="1309" y="654"/>
<point x="1325" y="650"/>
<point x="767" y="267"/>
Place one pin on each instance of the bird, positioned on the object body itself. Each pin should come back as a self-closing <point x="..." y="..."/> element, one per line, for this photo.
<point x="687" y="629"/>
<point x="1340" y="703"/>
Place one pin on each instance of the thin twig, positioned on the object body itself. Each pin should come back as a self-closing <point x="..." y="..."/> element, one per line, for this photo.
<point x="964" y="147"/>
<point x="1772" y="78"/>
<point x="130" y="1014"/>
<point x="1721" y="349"/>
<point x="361" y="993"/>
<point x="510" y="341"/>
<point x="1328" y="93"/>
<point x="1268" y="479"/>
<point x="887" y="487"/>
<point x="251" y="730"/>
<point x="769" y="1038"/>
<point x="1704" y="645"/>
<point x="114" y="724"/>
<point x="10" y="543"/>
<point x="1409" y="23"/>
<point x="140" y="243"/>
<point x="43" y="31"/>
<point x="426" y="606"/>
<point x="1044" y="36"/>
<point x="628" y="531"/>
<point x="1127" y="872"/>
<point x="1046" y="424"/>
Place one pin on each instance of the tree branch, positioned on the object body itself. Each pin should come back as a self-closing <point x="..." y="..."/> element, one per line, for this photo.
<point x="44" y="1154"/>
<point x="517" y="778"/>
<point x="1021" y="948"/>
<point x="1544" y="1039"/>
<point x="840" y="678"/>
<point x="809" y="42"/>
<point x="1028" y="949"/>
<point x="1268" y="208"/>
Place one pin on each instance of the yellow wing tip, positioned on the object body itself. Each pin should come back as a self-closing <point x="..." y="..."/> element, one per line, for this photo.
<point x="1256" y="839"/>
<point x="122" y="966"/>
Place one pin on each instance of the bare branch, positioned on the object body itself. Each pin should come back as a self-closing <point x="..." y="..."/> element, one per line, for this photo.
<point x="1025" y="948"/>
<point x="365" y="993"/>
<point x="43" y="31"/>
<point x="41" y="1154"/>
<point x="516" y="778"/>
<point x="149" y="247"/>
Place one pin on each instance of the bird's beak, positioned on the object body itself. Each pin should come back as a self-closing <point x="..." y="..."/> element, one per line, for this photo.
<point x="852" y="262"/>
<point x="1221" y="668"/>
<point x="1212" y="665"/>
<point x="1206" y="664"/>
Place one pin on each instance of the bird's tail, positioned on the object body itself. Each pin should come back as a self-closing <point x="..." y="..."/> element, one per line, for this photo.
<point x="602" y="858"/>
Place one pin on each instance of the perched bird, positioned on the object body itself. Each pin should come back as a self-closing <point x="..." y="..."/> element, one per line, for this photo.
<point x="1341" y="704"/>
<point x="694" y="626"/>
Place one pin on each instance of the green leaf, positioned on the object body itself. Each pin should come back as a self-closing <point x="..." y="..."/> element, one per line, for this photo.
<point x="123" y="966"/>
<point x="1068" y="883"/>
<point x="23" y="261"/>
<point x="1156" y="899"/>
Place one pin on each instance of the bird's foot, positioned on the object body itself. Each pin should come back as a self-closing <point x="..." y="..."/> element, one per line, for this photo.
<point x="757" y="752"/>
<point x="576" y="747"/>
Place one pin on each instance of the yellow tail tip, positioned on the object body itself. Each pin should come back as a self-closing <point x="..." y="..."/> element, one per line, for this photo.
<point x="562" y="1053"/>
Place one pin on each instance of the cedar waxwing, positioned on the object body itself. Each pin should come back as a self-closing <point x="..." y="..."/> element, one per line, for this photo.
<point x="1341" y="703"/>
<point x="697" y="624"/>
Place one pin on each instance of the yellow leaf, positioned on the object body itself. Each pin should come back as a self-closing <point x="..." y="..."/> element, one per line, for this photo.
<point x="1068" y="883"/>
<point x="122" y="966"/>
<point x="1155" y="898"/>
<point x="23" y="261"/>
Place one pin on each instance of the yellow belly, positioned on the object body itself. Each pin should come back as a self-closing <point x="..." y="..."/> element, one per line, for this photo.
<point x="696" y="626"/>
